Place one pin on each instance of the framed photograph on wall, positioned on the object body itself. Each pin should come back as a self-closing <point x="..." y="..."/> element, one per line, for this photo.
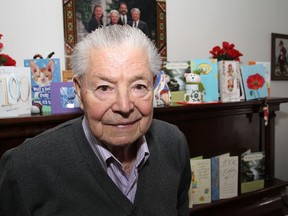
<point x="78" y="13"/>
<point x="279" y="57"/>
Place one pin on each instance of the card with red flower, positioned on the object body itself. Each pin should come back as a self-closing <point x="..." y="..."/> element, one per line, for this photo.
<point x="267" y="71"/>
<point x="254" y="81"/>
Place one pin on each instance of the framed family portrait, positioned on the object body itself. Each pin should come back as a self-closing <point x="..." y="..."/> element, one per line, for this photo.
<point x="78" y="15"/>
<point x="279" y="57"/>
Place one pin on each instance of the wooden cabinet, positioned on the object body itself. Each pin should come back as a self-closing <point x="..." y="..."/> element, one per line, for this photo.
<point x="211" y="129"/>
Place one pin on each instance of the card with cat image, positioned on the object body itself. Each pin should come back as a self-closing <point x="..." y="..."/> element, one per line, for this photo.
<point x="43" y="73"/>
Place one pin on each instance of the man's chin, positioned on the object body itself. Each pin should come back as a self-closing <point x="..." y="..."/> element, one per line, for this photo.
<point x="114" y="144"/>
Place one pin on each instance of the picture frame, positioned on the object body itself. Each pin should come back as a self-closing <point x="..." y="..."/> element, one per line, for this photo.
<point x="64" y="98"/>
<point x="152" y="11"/>
<point x="279" y="56"/>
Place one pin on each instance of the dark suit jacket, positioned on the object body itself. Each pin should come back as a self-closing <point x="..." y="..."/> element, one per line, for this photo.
<point x="57" y="173"/>
<point x="128" y="19"/>
<point x="143" y="26"/>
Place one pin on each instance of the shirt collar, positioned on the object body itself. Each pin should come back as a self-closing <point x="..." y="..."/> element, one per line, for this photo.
<point x="104" y="154"/>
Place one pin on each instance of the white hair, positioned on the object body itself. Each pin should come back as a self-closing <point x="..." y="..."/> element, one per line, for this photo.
<point x="135" y="10"/>
<point x="109" y="37"/>
<point x="115" y="12"/>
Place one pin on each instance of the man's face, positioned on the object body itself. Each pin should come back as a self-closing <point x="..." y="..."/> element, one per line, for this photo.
<point x="117" y="95"/>
<point x="123" y="9"/>
<point x="135" y="15"/>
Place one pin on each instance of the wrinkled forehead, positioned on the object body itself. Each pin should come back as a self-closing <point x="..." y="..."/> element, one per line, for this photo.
<point x="118" y="56"/>
<point x="117" y="61"/>
<point x="114" y="66"/>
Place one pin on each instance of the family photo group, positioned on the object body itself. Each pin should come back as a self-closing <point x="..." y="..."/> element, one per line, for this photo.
<point x="98" y="13"/>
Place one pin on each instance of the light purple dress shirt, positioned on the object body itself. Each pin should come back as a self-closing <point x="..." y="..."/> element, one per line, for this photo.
<point x="114" y="168"/>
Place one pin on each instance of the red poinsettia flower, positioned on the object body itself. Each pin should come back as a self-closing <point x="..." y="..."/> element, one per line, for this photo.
<point x="227" y="52"/>
<point x="6" y="60"/>
<point x="255" y="81"/>
<point x="227" y="46"/>
<point x="215" y="51"/>
<point x="1" y="44"/>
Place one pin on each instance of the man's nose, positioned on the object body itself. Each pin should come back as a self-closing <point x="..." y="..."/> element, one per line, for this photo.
<point x="123" y="102"/>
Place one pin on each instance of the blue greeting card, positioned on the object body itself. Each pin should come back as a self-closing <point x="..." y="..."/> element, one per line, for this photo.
<point x="254" y="81"/>
<point x="43" y="73"/>
<point x="209" y="77"/>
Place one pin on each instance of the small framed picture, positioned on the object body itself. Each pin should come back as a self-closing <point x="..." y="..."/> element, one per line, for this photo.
<point x="64" y="98"/>
<point x="279" y="56"/>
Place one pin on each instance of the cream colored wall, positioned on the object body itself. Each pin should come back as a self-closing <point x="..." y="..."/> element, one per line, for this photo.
<point x="194" y="27"/>
<point x="30" y="27"/>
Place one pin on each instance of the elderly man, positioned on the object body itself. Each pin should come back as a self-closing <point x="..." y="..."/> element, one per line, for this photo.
<point x="115" y="160"/>
<point x="137" y="23"/>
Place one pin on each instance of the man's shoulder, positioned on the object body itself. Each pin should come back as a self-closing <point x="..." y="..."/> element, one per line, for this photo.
<point x="166" y="138"/>
<point x="45" y="154"/>
<point x="51" y="138"/>
<point x="62" y="128"/>
<point x="143" y="22"/>
<point x="164" y="128"/>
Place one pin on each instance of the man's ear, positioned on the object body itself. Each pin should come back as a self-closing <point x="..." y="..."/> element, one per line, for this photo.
<point x="77" y="86"/>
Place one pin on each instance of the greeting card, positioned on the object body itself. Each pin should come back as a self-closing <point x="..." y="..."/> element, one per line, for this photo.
<point x="254" y="81"/>
<point x="64" y="98"/>
<point x="43" y="73"/>
<point x="229" y="81"/>
<point x="201" y="181"/>
<point x="15" y="93"/>
<point x="208" y="70"/>
<point x="267" y="72"/>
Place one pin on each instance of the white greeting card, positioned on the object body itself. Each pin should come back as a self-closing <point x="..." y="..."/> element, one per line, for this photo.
<point x="15" y="91"/>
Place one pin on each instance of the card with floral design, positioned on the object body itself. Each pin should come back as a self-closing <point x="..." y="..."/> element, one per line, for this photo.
<point x="267" y="71"/>
<point x="254" y="81"/>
